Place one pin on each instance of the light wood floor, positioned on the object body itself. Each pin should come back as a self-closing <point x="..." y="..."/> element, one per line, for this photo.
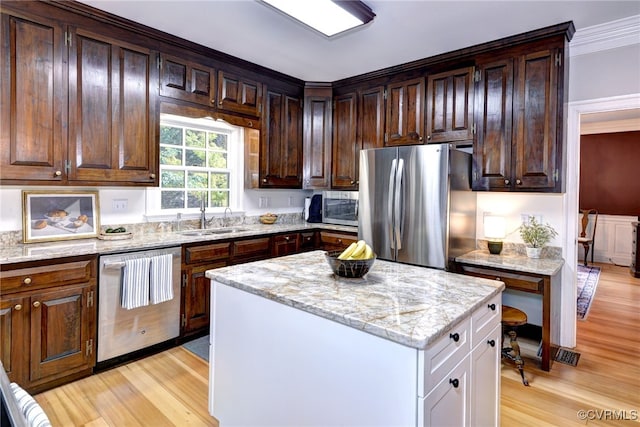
<point x="170" y="388"/>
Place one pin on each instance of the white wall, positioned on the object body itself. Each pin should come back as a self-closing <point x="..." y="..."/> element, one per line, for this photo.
<point x="277" y="201"/>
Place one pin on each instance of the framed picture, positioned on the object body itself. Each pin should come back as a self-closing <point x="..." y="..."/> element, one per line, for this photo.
<point x="59" y="215"/>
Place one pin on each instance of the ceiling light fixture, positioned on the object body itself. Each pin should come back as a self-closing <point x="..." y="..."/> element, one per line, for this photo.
<point x="326" y="16"/>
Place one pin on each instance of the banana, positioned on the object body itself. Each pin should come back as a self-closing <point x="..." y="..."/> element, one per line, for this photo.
<point x="368" y="252"/>
<point x="359" y="250"/>
<point x="347" y="252"/>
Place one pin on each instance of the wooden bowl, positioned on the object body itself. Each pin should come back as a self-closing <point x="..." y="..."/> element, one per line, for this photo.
<point x="268" y="219"/>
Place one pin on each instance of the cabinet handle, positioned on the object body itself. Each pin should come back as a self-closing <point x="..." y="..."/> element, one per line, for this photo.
<point x="250" y="124"/>
<point x="57" y="173"/>
<point x="420" y="138"/>
<point x="264" y="180"/>
<point x="152" y="176"/>
<point x="455" y="337"/>
<point x="36" y="304"/>
<point x="454" y="382"/>
<point x="27" y="280"/>
<point x="340" y="241"/>
<point x="428" y="137"/>
<point x="518" y="182"/>
<point x="497" y="278"/>
<point x="286" y="238"/>
<point x="492" y="343"/>
<point x="352" y="182"/>
<point x="213" y="101"/>
<point x="18" y="307"/>
<point x="220" y="103"/>
<point x="492" y="307"/>
<point x="506" y="182"/>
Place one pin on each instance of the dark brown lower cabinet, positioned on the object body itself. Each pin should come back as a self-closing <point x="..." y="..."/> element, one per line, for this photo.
<point x="336" y="241"/>
<point x="48" y="321"/>
<point x="286" y="244"/>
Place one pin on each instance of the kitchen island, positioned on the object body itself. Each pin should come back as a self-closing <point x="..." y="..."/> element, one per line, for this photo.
<point x="293" y="344"/>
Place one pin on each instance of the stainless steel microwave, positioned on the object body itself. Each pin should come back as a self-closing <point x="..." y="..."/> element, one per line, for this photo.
<point x="340" y="207"/>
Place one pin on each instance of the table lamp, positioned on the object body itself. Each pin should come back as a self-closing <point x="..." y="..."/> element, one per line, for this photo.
<point x="494" y="231"/>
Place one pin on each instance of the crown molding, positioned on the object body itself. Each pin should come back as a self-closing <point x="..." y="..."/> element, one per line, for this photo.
<point x="610" y="35"/>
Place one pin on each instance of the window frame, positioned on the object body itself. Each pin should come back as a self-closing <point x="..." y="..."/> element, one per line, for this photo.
<point x="235" y="165"/>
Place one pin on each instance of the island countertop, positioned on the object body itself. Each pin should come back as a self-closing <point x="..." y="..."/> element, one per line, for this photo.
<point x="406" y="304"/>
<point x="514" y="262"/>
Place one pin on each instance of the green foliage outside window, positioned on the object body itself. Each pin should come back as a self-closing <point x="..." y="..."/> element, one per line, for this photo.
<point x="193" y="163"/>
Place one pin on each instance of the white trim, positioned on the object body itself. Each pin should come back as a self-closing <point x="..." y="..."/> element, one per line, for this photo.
<point x="610" y="35"/>
<point x="568" y="288"/>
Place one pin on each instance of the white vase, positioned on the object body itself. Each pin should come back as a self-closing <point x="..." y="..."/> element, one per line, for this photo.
<point x="533" y="252"/>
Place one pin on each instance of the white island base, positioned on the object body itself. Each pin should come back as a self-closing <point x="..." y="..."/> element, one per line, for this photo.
<point x="274" y="365"/>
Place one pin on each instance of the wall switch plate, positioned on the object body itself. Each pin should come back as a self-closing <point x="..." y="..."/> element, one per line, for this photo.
<point x="119" y="205"/>
<point x="524" y="217"/>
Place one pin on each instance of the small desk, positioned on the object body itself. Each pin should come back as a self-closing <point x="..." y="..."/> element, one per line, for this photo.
<point x="520" y="273"/>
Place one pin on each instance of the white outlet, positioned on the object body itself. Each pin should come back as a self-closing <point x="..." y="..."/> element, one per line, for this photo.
<point x="263" y="202"/>
<point x="524" y="217"/>
<point x="291" y="201"/>
<point x="119" y="205"/>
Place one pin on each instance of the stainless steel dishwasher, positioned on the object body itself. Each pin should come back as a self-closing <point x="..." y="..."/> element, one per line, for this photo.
<point x="122" y="331"/>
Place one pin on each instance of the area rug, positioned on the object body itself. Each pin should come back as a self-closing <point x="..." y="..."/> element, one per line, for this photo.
<point x="199" y="347"/>
<point x="587" y="282"/>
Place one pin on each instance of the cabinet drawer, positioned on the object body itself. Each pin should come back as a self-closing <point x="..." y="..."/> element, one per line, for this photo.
<point x="442" y="356"/>
<point x="514" y="280"/>
<point x="48" y="275"/>
<point x="251" y="247"/>
<point x="212" y="252"/>
<point x="337" y="239"/>
<point x="307" y="241"/>
<point x="485" y="318"/>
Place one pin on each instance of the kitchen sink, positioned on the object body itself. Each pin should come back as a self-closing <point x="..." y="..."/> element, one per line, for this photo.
<point x="208" y="231"/>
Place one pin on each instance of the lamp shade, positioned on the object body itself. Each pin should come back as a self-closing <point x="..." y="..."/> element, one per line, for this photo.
<point x="494" y="227"/>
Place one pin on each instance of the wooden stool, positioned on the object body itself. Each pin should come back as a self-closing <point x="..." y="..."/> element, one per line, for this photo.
<point x="512" y="318"/>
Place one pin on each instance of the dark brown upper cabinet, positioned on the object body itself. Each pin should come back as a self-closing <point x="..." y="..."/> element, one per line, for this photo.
<point x="113" y="117"/>
<point x="405" y="112"/>
<point x="239" y="94"/>
<point x="316" y="171"/>
<point x="518" y="146"/>
<point x="345" y="147"/>
<point x="187" y="80"/>
<point x="85" y="115"/>
<point x="359" y="115"/>
<point x="450" y="106"/>
<point x="281" y="141"/>
<point x="33" y="113"/>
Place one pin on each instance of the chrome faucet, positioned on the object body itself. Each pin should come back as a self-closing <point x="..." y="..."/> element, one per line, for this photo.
<point x="203" y="218"/>
<point x="225" y="221"/>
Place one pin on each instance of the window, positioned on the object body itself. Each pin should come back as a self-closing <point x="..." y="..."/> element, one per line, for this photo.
<point x="200" y="165"/>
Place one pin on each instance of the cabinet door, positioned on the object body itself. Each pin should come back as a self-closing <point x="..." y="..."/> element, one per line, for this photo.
<point x="405" y="112"/>
<point x="13" y="336"/>
<point x="493" y="108"/>
<point x="371" y="115"/>
<point x="197" y="295"/>
<point x="345" y="149"/>
<point x="286" y="244"/>
<point x="485" y="380"/>
<point x="316" y="171"/>
<point x="281" y="143"/>
<point x="450" y="106"/>
<point x="33" y="96"/>
<point x="187" y="80"/>
<point x="239" y="94"/>
<point x="448" y="402"/>
<point x="251" y="250"/>
<point x="113" y="122"/>
<point x="62" y="332"/>
<point x="535" y="120"/>
<point x="330" y="241"/>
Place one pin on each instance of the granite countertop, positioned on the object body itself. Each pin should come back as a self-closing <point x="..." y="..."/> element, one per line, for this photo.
<point x="406" y="304"/>
<point x="141" y="241"/>
<point x="514" y="262"/>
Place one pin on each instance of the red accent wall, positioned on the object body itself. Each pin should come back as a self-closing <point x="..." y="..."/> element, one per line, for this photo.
<point x="610" y="173"/>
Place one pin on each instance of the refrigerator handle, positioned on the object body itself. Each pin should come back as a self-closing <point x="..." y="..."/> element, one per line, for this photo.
<point x="399" y="214"/>
<point x="392" y="175"/>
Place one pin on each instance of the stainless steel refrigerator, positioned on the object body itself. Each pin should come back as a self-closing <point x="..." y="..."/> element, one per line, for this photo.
<point x="416" y="204"/>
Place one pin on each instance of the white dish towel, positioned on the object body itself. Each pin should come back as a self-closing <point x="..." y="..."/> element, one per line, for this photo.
<point x="161" y="278"/>
<point x="135" y="283"/>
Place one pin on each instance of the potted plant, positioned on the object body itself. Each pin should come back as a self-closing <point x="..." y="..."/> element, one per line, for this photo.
<point x="536" y="236"/>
